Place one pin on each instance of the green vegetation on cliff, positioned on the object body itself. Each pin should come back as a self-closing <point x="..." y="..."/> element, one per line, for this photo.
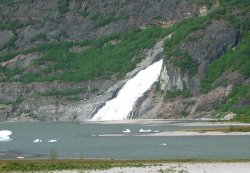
<point x="111" y="55"/>
<point x="236" y="58"/>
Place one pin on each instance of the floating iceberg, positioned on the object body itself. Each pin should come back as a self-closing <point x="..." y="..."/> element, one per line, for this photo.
<point x="5" y="135"/>
<point x="52" y="141"/>
<point x="145" y="131"/>
<point x="126" y="131"/>
<point x="37" y="141"/>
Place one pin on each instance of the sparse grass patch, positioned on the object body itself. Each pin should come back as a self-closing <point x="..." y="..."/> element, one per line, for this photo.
<point x="63" y="6"/>
<point x="173" y="170"/>
<point x="102" y="20"/>
<point x="11" y="25"/>
<point x="40" y="36"/>
<point x="66" y="92"/>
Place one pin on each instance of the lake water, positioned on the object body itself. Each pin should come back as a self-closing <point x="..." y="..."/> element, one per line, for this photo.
<point x="76" y="140"/>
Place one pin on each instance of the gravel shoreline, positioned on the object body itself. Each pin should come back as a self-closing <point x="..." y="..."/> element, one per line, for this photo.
<point x="176" y="168"/>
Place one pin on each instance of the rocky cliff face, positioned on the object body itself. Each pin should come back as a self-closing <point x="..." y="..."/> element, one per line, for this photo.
<point x="25" y="24"/>
<point x="77" y="20"/>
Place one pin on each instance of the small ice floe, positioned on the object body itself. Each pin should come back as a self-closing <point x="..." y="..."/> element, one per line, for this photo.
<point x="163" y="144"/>
<point x="156" y="131"/>
<point x="126" y="131"/>
<point x="37" y="141"/>
<point x="5" y="135"/>
<point x="52" y="141"/>
<point x="145" y="131"/>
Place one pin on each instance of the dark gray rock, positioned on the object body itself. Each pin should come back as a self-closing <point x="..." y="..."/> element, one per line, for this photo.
<point x="5" y="36"/>
<point x="25" y="35"/>
<point x="213" y="41"/>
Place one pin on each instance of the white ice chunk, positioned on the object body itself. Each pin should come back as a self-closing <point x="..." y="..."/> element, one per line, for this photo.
<point x="37" y="141"/>
<point x="126" y="131"/>
<point x="145" y="131"/>
<point x="5" y="135"/>
<point x="52" y="141"/>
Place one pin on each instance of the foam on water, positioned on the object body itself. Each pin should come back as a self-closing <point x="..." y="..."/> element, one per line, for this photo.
<point x="5" y="135"/>
<point x="120" y="107"/>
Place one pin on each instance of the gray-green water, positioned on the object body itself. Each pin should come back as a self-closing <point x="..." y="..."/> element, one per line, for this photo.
<point x="75" y="140"/>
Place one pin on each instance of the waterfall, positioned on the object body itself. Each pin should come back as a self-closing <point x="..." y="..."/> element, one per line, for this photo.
<point x="120" y="107"/>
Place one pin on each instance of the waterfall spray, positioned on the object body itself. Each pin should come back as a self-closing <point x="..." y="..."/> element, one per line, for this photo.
<point x="120" y="107"/>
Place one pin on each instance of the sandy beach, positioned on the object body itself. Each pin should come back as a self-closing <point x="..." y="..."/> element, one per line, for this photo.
<point x="216" y="167"/>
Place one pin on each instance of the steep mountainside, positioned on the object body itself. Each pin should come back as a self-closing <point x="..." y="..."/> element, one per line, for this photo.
<point x="62" y="59"/>
<point x="207" y="67"/>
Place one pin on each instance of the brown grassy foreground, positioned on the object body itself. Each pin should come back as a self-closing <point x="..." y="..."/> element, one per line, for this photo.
<point x="82" y="164"/>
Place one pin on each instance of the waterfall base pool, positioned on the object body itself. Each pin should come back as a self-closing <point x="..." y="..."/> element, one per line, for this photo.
<point x="95" y="140"/>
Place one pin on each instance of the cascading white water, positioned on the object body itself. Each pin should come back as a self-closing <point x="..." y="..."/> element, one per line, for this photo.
<point x="120" y="107"/>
